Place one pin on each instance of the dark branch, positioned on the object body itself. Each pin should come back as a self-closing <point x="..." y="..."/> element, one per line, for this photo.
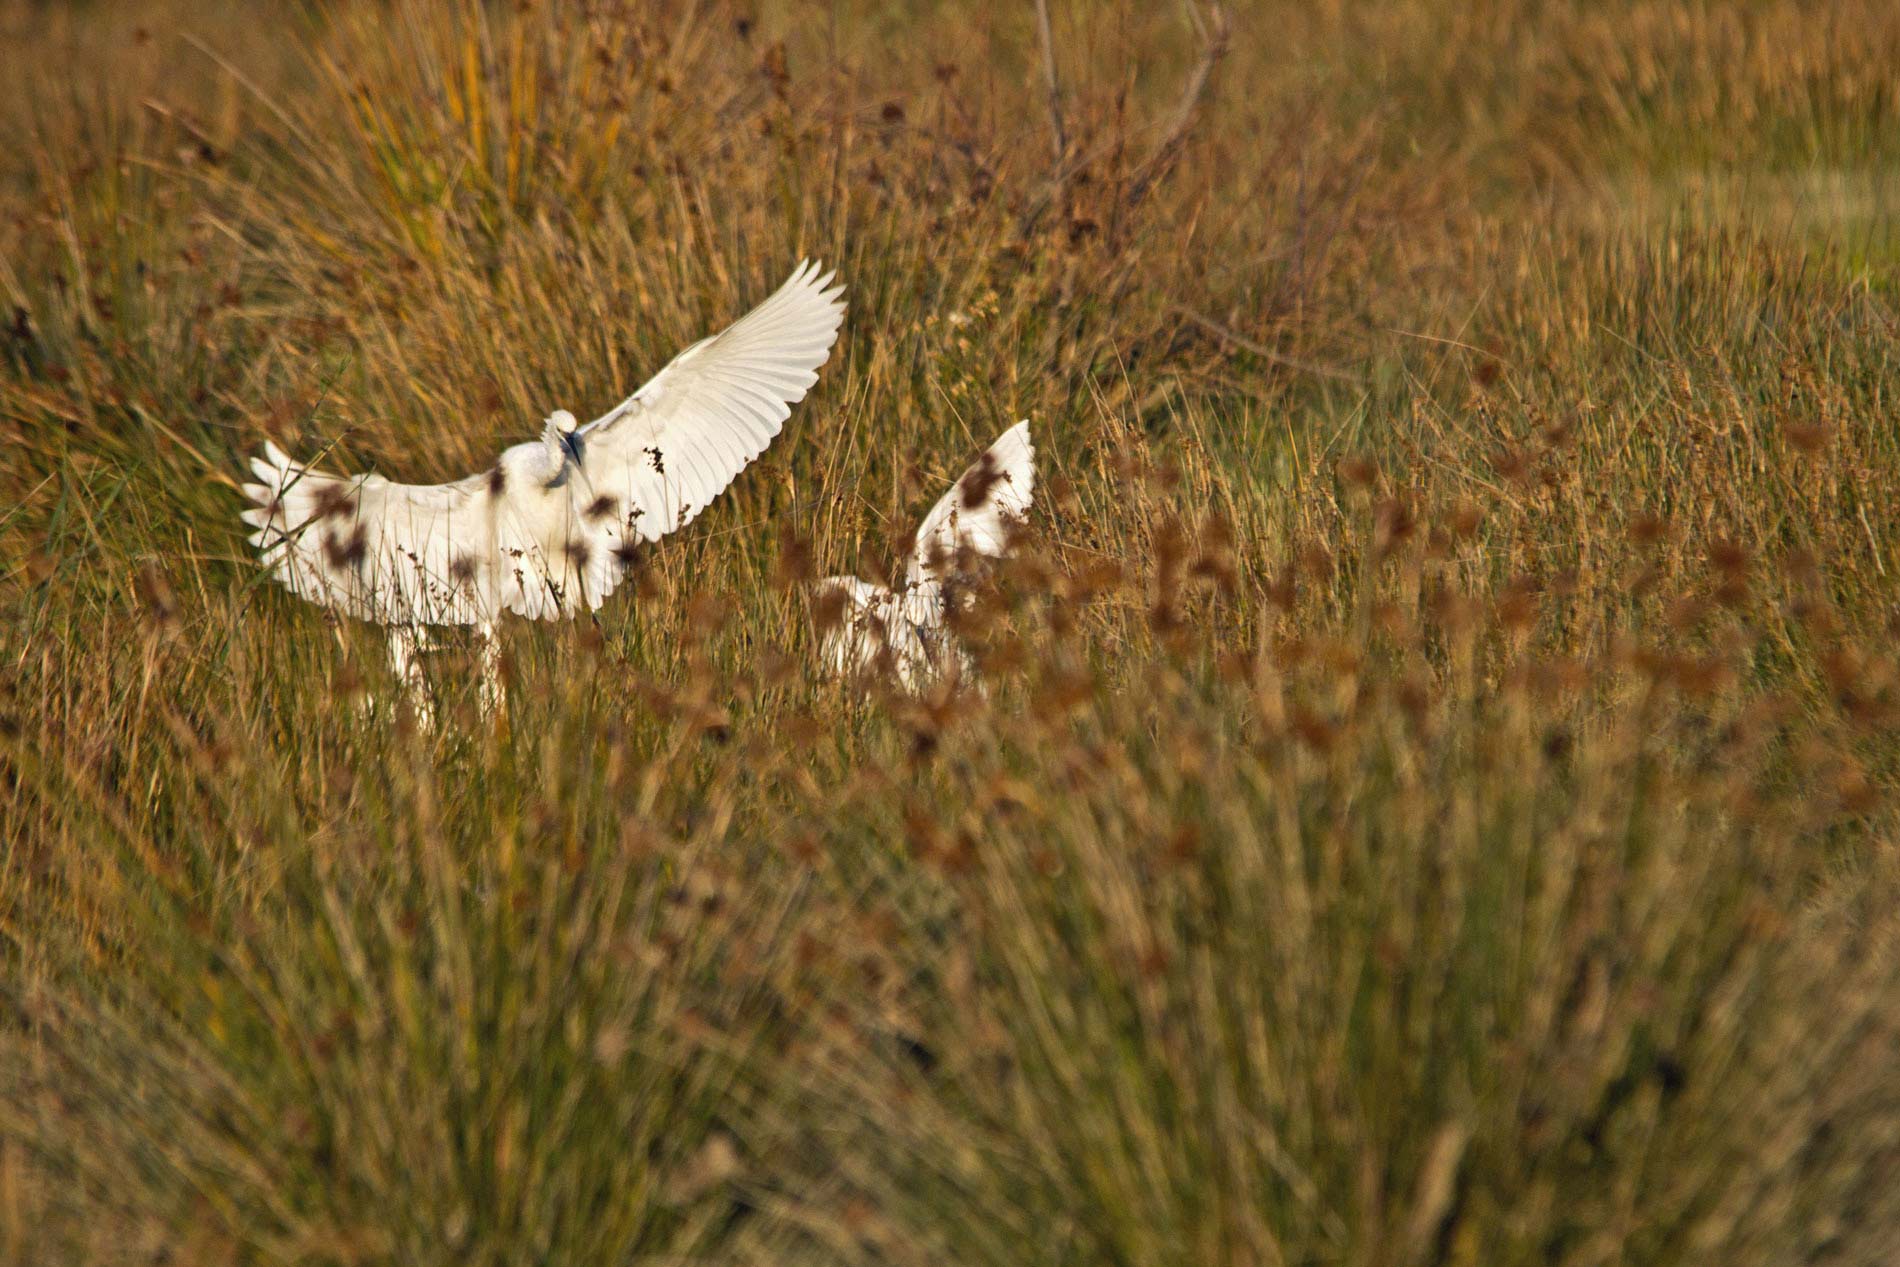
<point x="1215" y="31"/>
<point x="1059" y="136"/>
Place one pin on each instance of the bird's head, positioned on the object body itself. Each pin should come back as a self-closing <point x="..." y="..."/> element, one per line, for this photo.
<point x="546" y="461"/>
<point x="557" y="433"/>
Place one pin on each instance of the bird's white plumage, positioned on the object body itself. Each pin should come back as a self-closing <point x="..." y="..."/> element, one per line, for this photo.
<point x="550" y="530"/>
<point x="980" y="510"/>
<point x="907" y="631"/>
<point x="868" y="627"/>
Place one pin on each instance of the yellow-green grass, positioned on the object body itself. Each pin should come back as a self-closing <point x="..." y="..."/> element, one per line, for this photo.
<point x="1434" y="797"/>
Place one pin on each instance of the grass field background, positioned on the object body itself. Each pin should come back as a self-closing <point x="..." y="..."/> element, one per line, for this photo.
<point x="1435" y="796"/>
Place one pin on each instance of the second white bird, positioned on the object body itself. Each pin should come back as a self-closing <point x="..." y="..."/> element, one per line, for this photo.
<point x="867" y="627"/>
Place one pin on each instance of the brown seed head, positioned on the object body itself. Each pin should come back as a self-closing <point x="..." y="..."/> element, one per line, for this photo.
<point x="706" y="613"/>
<point x="1358" y="472"/>
<point x="333" y="501"/>
<point x="974" y="488"/>
<point x="1807" y="437"/>
<point x="350" y="551"/>
<point x="1393" y="524"/>
<point x="1315" y="731"/>
<point x="1513" y="464"/>
<point x="828" y="608"/>
<point x="1516" y="607"/>
<point x="1730" y="557"/>
<point x="794" y="565"/>
<point x="1316" y="562"/>
<point x="156" y="594"/>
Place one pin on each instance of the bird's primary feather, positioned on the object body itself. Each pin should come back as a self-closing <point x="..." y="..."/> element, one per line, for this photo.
<point x="981" y="509"/>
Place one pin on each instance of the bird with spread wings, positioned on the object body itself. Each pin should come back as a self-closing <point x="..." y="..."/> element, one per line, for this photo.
<point x="866" y="627"/>
<point x="554" y="525"/>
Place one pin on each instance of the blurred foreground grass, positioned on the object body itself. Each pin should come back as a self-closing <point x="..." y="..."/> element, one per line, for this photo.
<point x="1435" y="797"/>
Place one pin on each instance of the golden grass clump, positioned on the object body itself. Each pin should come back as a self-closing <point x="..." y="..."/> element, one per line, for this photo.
<point x="1432" y="795"/>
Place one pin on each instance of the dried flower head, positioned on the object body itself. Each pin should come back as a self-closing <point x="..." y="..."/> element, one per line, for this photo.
<point x="1358" y="471"/>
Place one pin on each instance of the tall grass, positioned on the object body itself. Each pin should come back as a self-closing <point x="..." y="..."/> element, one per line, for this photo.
<point x="1434" y="795"/>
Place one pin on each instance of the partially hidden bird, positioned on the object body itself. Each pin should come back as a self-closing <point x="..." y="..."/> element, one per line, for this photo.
<point x="557" y="522"/>
<point x="867" y="628"/>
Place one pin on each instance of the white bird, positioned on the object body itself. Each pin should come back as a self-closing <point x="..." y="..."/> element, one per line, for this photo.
<point x="864" y="623"/>
<point x="555" y="524"/>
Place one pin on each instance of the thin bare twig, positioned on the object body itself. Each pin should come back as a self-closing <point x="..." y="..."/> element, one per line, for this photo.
<point x="1245" y="344"/>
<point x="1058" y="133"/>
<point x="1214" y="30"/>
<point x="1214" y="33"/>
<point x="1455" y="343"/>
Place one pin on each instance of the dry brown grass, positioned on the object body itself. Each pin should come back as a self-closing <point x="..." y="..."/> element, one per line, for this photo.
<point x="1435" y="798"/>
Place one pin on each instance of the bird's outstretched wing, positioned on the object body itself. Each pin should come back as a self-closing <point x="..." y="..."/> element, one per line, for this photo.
<point x="551" y="529"/>
<point x="980" y="511"/>
<point x="433" y="554"/>
<point x="655" y="460"/>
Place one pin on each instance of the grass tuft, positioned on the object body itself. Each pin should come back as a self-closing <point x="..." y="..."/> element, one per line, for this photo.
<point x="1432" y="798"/>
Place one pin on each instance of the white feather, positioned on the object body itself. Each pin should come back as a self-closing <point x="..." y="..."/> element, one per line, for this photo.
<point x="981" y="510"/>
<point x="907" y="631"/>
<point x="550" y="529"/>
<point x="872" y="632"/>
